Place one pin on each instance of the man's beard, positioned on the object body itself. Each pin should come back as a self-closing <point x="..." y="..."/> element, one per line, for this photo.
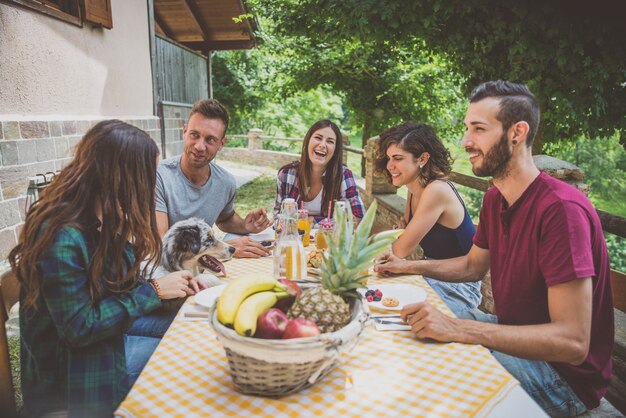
<point x="495" y="162"/>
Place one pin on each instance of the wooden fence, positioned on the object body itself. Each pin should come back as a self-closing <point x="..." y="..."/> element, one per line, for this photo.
<point x="181" y="74"/>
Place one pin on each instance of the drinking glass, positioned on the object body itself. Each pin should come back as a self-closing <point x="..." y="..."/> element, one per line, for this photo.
<point x="304" y="226"/>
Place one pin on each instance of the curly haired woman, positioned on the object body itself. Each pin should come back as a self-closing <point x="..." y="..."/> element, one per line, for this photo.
<point x="435" y="216"/>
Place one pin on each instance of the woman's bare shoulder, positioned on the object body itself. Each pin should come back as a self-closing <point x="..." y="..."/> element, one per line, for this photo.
<point x="438" y="189"/>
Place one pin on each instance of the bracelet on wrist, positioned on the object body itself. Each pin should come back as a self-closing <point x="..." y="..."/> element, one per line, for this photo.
<point x="156" y="287"/>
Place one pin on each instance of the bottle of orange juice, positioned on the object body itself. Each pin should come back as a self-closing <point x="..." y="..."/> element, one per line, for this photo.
<point x="289" y="254"/>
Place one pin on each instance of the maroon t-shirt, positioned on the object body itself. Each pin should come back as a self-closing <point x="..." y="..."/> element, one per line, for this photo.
<point x="551" y="235"/>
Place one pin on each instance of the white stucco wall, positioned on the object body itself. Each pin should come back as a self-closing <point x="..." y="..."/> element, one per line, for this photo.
<point x="53" y="69"/>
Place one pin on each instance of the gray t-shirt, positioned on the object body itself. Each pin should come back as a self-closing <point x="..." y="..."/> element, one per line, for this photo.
<point x="181" y="199"/>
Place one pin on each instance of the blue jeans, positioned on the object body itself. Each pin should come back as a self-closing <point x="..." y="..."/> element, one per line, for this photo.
<point x="138" y="351"/>
<point x="153" y="324"/>
<point x="142" y="339"/>
<point x="551" y="392"/>
<point x="458" y="297"/>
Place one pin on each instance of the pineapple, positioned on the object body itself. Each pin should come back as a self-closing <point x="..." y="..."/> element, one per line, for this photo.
<point x="343" y="269"/>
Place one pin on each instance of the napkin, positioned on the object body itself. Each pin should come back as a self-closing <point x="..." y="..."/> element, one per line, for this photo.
<point x="267" y="234"/>
<point x="388" y="326"/>
<point x="195" y="313"/>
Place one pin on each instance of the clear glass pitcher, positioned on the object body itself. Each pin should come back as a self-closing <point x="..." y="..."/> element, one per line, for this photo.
<point x="287" y="208"/>
<point x="289" y="254"/>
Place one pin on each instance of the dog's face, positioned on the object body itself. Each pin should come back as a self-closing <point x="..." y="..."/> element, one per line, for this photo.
<point x="191" y="245"/>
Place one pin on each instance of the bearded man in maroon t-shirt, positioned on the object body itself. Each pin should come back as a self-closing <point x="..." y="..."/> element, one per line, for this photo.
<point x="542" y="239"/>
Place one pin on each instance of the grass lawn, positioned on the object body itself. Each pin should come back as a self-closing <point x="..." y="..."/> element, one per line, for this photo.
<point x="260" y="193"/>
<point x="14" y="356"/>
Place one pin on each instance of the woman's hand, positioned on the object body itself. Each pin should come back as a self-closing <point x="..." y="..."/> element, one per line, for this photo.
<point x="196" y="284"/>
<point x="176" y="285"/>
<point x="387" y="264"/>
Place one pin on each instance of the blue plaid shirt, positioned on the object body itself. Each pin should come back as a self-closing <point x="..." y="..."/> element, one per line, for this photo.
<point x="287" y="186"/>
<point x="72" y="350"/>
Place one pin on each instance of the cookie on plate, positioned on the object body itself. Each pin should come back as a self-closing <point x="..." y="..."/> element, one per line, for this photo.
<point x="390" y="302"/>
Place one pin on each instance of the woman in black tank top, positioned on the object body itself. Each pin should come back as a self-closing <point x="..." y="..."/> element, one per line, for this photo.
<point x="435" y="216"/>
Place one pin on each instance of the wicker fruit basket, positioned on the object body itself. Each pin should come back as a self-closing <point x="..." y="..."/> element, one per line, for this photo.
<point x="276" y="368"/>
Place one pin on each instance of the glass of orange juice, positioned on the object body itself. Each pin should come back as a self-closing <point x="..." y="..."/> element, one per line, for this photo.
<point x="327" y="227"/>
<point x="304" y="226"/>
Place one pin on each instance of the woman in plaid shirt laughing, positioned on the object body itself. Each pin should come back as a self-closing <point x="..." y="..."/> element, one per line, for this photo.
<point x="78" y="262"/>
<point x="319" y="177"/>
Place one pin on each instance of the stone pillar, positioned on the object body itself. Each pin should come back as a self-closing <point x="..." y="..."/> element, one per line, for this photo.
<point x="375" y="183"/>
<point x="346" y="142"/>
<point x="562" y="170"/>
<point x="254" y="139"/>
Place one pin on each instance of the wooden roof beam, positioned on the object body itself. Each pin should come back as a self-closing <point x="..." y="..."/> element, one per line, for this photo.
<point x="158" y="20"/>
<point x="220" y="45"/>
<point x="199" y="22"/>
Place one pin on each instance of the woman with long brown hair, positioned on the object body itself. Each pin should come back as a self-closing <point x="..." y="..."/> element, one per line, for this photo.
<point x="78" y="262"/>
<point x="320" y="176"/>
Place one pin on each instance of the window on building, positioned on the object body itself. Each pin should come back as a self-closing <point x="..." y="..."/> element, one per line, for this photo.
<point x="97" y="12"/>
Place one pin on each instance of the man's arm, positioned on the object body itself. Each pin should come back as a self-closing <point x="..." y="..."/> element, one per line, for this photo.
<point x="163" y="223"/>
<point x="162" y="220"/>
<point x="565" y="338"/>
<point x="232" y="223"/>
<point x="468" y="268"/>
<point x="256" y="221"/>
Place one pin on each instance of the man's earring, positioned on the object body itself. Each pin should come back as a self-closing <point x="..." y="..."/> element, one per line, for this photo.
<point x="514" y="142"/>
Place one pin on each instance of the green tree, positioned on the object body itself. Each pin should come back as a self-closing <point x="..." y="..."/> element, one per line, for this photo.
<point x="247" y="83"/>
<point x="572" y="55"/>
<point x="380" y="84"/>
<point x="604" y="162"/>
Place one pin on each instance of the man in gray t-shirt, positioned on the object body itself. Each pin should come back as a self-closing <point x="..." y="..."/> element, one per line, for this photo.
<point x="186" y="199"/>
<point x="191" y="185"/>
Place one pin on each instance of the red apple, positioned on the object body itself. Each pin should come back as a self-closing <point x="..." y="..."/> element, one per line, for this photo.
<point x="271" y="324"/>
<point x="294" y="291"/>
<point x="300" y="328"/>
<point x="292" y="287"/>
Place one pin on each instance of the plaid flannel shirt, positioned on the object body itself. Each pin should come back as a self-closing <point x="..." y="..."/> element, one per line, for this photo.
<point x="287" y="186"/>
<point x="72" y="350"/>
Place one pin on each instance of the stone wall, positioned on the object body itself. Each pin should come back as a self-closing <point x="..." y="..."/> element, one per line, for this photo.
<point x="254" y="154"/>
<point x="28" y="148"/>
<point x="274" y="159"/>
<point x="174" y="118"/>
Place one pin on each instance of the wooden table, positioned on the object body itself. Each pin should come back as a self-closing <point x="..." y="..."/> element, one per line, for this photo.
<point x="388" y="373"/>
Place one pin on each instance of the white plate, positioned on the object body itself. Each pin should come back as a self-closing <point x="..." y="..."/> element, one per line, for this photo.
<point x="207" y="297"/>
<point x="210" y="279"/>
<point x="405" y="293"/>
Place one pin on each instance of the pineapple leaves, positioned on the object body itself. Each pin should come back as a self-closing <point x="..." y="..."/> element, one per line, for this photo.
<point x="363" y="230"/>
<point x="351" y="251"/>
<point x="392" y="235"/>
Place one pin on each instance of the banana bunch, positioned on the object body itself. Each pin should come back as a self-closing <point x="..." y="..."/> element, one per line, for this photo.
<point x="244" y="299"/>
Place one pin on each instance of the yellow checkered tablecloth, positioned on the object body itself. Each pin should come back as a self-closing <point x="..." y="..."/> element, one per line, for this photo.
<point x="388" y="373"/>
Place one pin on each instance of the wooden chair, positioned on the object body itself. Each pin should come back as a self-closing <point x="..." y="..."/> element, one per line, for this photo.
<point x="9" y="295"/>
